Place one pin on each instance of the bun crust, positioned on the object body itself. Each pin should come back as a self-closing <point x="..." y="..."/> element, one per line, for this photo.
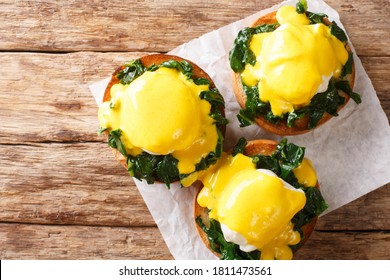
<point x="281" y="128"/>
<point x="147" y="61"/>
<point x="254" y="147"/>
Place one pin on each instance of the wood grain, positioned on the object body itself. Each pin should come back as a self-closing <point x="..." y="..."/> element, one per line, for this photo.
<point x="62" y="193"/>
<point x="39" y="185"/>
<point x="74" y="184"/>
<point x="63" y="103"/>
<point x="52" y="88"/>
<point x="21" y="241"/>
<point x="78" y="25"/>
<point x="346" y="245"/>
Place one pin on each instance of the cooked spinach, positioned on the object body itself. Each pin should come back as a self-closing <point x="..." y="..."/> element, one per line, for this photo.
<point x="347" y="68"/>
<point x="239" y="148"/>
<point x="336" y="31"/>
<point x="164" y="168"/>
<point x="217" y="103"/>
<point x="325" y="102"/>
<point x="135" y="68"/>
<point x="228" y="250"/>
<point x="131" y="71"/>
<point x="254" y="107"/>
<point x="241" y="54"/>
<point x="143" y="166"/>
<point x="301" y="6"/>
<point x="346" y="87"/>
<point x="286" y="157"/>
<point x="182" y="66"/>
<point x="283" y="160"/>
<point x="316" y="18"/>
<point x="213" y="156"/>
<point x="315" y="205"/>
<point x="114" y="141"/>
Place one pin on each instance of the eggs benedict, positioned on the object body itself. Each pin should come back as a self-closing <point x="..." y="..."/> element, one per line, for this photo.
<point x="164" y="118"/>
<point x="293" y="71"/>
<point x="260" y="202"/>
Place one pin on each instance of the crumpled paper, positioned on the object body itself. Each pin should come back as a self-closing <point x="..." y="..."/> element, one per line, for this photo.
<point x="351" y="153"/>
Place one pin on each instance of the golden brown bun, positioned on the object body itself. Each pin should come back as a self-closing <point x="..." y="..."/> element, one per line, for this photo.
<point x="147" y="61"/>
<point x="254" y="147"/>
<point x="281" y="128"/>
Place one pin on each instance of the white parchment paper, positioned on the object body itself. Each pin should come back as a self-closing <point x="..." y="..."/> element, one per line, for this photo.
<point x="351" y="153"/>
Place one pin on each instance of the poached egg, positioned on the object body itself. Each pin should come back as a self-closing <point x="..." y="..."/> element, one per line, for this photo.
<point x="294" y="62"/>
<point x="254" y="206"/>
<point x="160" y="112"/>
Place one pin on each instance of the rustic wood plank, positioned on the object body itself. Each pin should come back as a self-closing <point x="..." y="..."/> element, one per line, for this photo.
<point x="38" y="184"/>
<point x="346" y="246"/>
<point x="19" y="241"/>
<point x="112" y="25"/>
<point x="50" y="97"/>
<point x="60" y="98"/>
<point x="68" y="184"/>
<point x="369" y="212"/>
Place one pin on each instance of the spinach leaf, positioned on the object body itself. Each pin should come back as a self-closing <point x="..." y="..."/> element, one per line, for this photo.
<point x="143" y="166"/>
<point x="201" y="81"/>
<point x="266" y="162"/>
<point x="213" y="156"/>
<point x="132" y="70"/>
<point x="327" y="101"/>
<point x="295" y="115"/>
<point x="336" y="31"/>
<point x="183" y="67"/>
<point x="346" y="87"/>
<point x="241" y="54"/>
<point x="315" y="205"/>
<point x="301" y="6"/>
<point x="213" y="97"/>
<point x="286" y="157"/>
<point x="289" y="156"/>
<point x="254" y="107"/>
<point x="228" y="250"/>
<point x="166" y="169"/>
<point x="347" y="68"/>
<point x="114" y="141"/>
<point x="239" y="148"/>
<point x="315" y="18"/>
<point x="217" y="103"/>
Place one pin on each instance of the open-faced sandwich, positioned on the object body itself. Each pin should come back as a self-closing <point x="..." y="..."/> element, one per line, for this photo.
<point x="292" y="70"/>
<point x="259" y="202"/>
<point x="164" y="119"/>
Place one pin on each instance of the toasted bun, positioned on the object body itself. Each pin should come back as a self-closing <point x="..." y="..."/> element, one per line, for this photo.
<point x="147" y="61"/>
<point x="254" y="147"/>
<point x="281" y="128"/>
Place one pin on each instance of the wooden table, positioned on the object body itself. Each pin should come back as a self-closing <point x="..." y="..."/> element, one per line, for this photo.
<point x="62" y="194"/>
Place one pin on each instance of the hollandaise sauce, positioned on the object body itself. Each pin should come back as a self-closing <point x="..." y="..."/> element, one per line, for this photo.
<point x="294" y="62"/>
<point x="161" y="113"/>
<point x="255" y="207"/>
